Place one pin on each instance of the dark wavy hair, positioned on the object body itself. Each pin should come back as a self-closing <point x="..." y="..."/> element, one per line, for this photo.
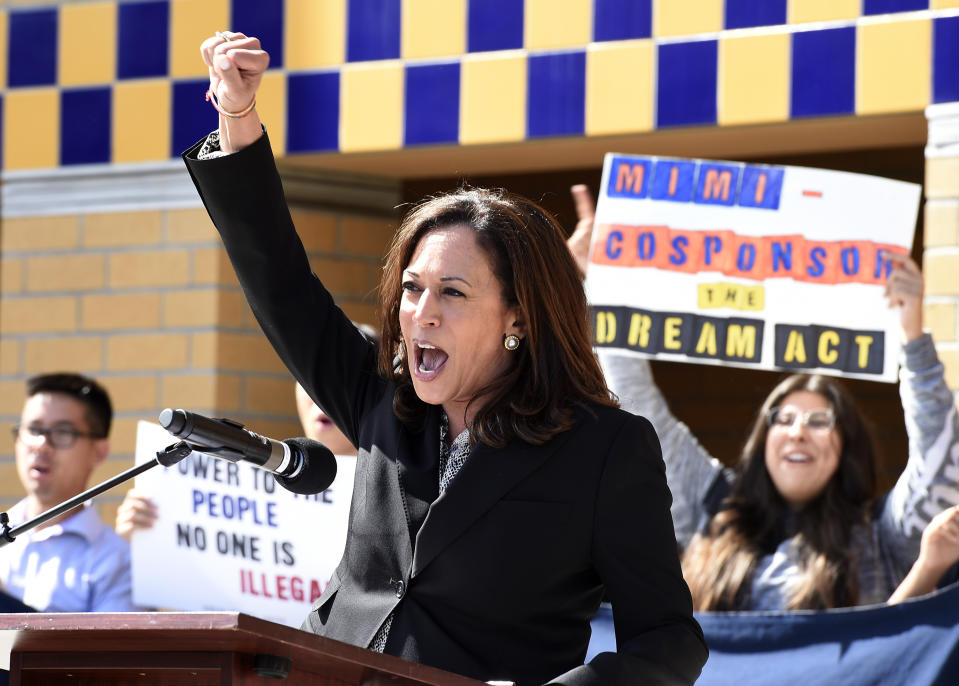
<point x="754" y="519"/>
<point x="554" y="369"/>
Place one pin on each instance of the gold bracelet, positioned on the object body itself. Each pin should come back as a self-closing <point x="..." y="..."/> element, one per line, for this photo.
<point x="211" y="97"/>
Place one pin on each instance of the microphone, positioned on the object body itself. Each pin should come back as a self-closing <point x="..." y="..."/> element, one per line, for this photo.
<point x="317" y="471"/>
<point x="300" y="465"/>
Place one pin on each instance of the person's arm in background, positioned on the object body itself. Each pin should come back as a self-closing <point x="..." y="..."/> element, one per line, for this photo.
<point x="696" y="479"/>
<point x="137" y="511"/>
<point x="938" y="552"/>
<point x="928" y="484"/>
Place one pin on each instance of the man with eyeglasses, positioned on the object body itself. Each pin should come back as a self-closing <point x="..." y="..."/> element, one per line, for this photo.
<point x="75" y="562"/>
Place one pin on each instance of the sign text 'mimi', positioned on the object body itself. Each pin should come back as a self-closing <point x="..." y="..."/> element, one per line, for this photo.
<point x="710" y="183"/>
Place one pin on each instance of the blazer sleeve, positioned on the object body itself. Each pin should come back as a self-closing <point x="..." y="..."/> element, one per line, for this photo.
<point x="330" y="358"/>
<point x="658" y="639"/>
<point x="697" y="480"/>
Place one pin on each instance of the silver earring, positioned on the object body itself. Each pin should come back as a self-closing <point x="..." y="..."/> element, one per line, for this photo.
<point x="511" y="342"/>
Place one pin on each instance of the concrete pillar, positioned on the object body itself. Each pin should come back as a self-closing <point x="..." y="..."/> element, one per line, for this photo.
<point x="941" y="234"/>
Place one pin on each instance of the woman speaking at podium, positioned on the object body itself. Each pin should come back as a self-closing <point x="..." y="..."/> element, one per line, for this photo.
<point x="499" y="491"/>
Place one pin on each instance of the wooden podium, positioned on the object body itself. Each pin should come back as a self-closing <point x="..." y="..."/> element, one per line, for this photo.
<point x="195" y="648"/>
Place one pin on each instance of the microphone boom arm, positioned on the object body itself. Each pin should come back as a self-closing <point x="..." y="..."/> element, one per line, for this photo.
<point x="167" y="457"/>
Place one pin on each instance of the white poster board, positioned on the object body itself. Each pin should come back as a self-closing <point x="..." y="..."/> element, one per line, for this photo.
<point x="757" y="266"/>
<point x="229" y="538"/>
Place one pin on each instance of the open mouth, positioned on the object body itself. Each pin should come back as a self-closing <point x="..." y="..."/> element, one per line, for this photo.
<point x="38" y="471"/>
<point x="428" y="360"/>
<point x="798" y="458"/>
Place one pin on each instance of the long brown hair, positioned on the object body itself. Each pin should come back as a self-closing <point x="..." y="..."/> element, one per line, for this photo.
<point x="554" y="368"/>
<point x="719" y="564"/>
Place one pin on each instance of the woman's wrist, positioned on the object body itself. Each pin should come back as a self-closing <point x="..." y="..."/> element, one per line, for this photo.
<point x="911" y="332"/>
<point x="918" y="582"/>
<point x="236" y="134"/>
<point x="927" y="574"/>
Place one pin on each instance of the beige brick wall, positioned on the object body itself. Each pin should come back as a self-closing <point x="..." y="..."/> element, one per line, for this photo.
<point x="942" y="177"/>
<point x="147" y="303"/>
<point x="941" y="222"/>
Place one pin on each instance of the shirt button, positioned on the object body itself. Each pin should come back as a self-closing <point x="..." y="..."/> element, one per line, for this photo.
<point x="400" y="589"/>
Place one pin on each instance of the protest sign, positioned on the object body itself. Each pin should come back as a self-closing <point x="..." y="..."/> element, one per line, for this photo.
<point x="766" y="267"/>
<point x="230" y="538"/>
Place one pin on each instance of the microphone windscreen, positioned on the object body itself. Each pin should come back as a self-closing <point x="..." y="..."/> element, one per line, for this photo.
<point x="317" y="472"/>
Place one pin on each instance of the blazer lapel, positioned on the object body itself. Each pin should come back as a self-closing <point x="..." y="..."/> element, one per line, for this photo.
<point x="418" y="474"/>
<point x="486" y="477"/>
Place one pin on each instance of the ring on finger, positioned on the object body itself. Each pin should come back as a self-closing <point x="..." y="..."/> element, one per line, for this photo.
<point x="225" y="35"/>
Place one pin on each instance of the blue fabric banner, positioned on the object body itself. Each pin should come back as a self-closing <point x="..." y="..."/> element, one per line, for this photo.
<point x="914" y="643"/>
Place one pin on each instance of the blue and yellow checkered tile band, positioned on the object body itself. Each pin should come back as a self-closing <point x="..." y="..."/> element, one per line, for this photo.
<point x="115" y="82"/>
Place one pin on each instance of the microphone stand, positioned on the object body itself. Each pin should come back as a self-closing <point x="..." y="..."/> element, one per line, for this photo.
<point x="167" y="457"/>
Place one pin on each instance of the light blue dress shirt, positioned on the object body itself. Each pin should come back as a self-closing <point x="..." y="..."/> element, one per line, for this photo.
<point x="77" y="565"/>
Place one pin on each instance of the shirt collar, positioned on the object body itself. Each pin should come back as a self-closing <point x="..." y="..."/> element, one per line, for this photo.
<point x="82" y="521"/>
<point x="456" y="443"/>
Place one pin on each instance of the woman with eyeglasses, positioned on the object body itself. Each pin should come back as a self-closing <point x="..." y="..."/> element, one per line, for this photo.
<point x="796" y="530"/>
<point x="799" y="522"/>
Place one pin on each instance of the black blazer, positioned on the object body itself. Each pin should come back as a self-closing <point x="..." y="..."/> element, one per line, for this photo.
<point x="499" y="577"/>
